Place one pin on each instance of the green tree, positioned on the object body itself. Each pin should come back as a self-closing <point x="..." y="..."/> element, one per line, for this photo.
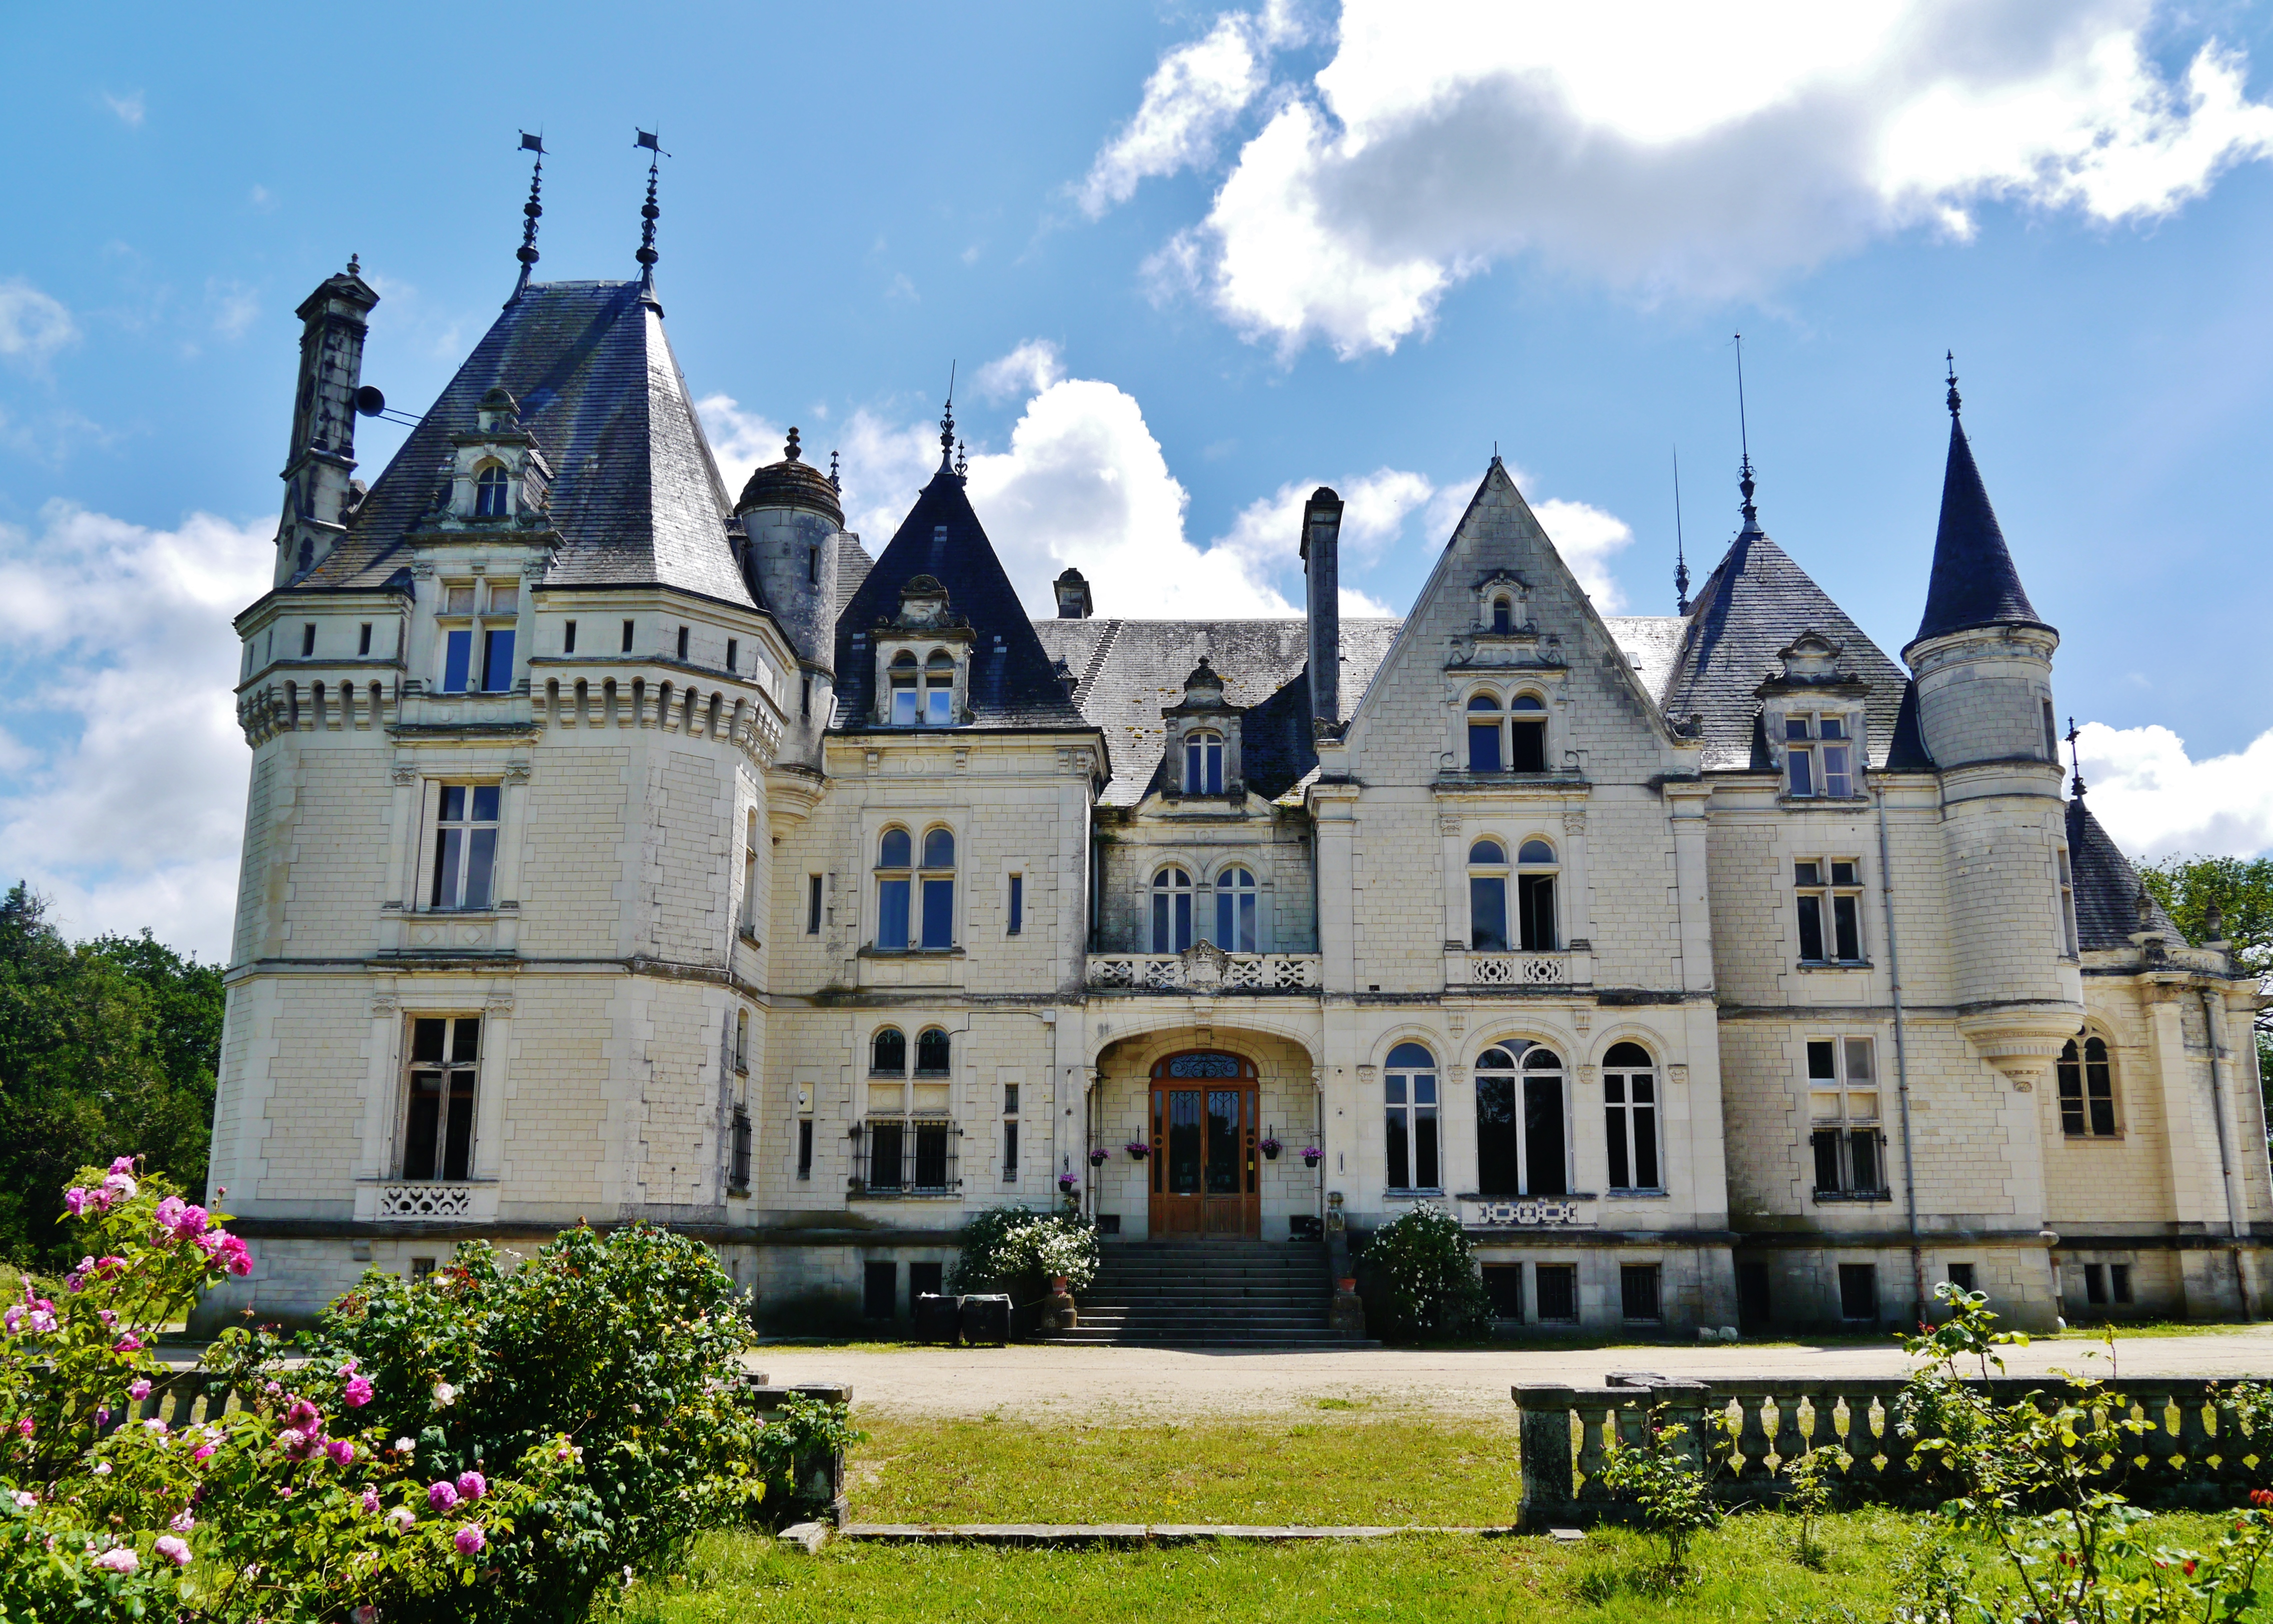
<point x="2240" y="892"/>
<point x="113" y="1042"/>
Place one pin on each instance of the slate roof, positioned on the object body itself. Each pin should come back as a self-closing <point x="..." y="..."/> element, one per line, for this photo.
<point x="1754" y="603"/>
<point x="635" y="494"/>
<point x="2106" y="886"/>
<point x="852" y="566"/>
<point x="1130" y="671"/>
<point x="1012" y="684"/>
<point x="1974" y="582"/>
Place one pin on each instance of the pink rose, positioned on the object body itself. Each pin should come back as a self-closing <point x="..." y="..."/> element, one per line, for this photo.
<point x="365" y="1615"/>
<point x="306" y="1417"/>
<point x="167" y="1215"/>
<point x="122" y="1164"/>
<point x="174" y="1550"/>
<point x="348" y="1369"/>
<point x="470" y="1539"/>
<point x="118" y="1187"/>
<point x="341" y="1451"/>
<point x="189" y="1222"/>
<point x="26" y="1428"/>
<point x="128" y="1344"/>
<point x="357" y="1392"/>
<point x="184" y="1521"/>
<point x="371" y="1502"/>
<point x="75" y="1201"/>
<point x="203" y="1452"/>
<point x="472" y="1486"/>
<point x="138" y="1389"/>
<point x="43" y="1319"/>
<point x="291" y="1440"/>
<point x="107" y="1318"/>
<point x="13" y="1317"/>
<point x="118" y="1559"/>
<point x="441" y="1495"/>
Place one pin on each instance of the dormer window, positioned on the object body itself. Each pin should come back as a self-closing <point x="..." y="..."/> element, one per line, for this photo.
<point x="1503" y="614"/>
<point x="1513" y="742"/>
<point x="1819" y="756"/>
<point x="493" y="490"/>
<point x="478" y="650"/>
<point x="903" y="690"/>
<point x="1203" y="763"/>
<point x="939" y="690"/>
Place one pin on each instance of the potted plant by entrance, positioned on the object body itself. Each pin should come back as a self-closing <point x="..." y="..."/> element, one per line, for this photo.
<point x="1097" y="1155"/>
<point x="1312" y="1156"/>
<point x="1068" y="1183"/>
<point x="1138" y="1149"/>
<point x="1272" y="1148"/>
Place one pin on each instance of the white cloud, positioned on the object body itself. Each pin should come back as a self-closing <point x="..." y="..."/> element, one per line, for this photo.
<point x="1190" y="102"/>
<point x="1028" y="369"/>
<point x="234" y="305"/>
<point x="33" y="326"/>
<point x="1585" y="536"/>
<point x="128" y="805"/>
<point x="2156" y="800"/>
<point x="1704" y="151"/>
<point x="129" y="108"/>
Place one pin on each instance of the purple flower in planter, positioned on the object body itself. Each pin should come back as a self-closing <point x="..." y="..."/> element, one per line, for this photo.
<point x="1138" y="1149"/>
<point x="1068" y="1183"/>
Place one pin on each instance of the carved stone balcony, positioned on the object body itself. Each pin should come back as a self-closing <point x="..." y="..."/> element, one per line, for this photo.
<point x="1519" y="970"/>
<point x="1204" y="967"/>
<point x="1528" y="1212"/>
<point x="426" y="1201"/>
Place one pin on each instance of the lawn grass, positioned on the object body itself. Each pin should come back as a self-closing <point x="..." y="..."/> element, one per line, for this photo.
<point x="1337" y="1461"/>
<point x="1745" y="1570"/>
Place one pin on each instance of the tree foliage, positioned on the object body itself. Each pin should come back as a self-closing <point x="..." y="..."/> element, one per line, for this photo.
<point x="114" y="1041"/>
<point x="2241" y="891"/>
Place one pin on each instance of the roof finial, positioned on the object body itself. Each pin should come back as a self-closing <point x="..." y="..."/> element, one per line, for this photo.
<point x="1949" y="359"/>
<point x="530" y="210"/>
<point x="2075" y="788"/>
<point x="648" y="213"/>
<point x="1680" y="544"/>
<point x="962" y="461"/>
<point x="789" y="451"/>
<point x="835" y="484"/>
<point x="355" y="265"/>
<point x="947" y="422"/>
<point x="1745" y="439"/>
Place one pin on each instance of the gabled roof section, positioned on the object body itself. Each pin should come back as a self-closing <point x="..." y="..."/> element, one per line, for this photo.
<point x="852" y="566"/>
<point x="2106" y="887"/>
<point x="636" y="495"/>
<point x="1128" y="671"/>
<point x="1012" y="683"/>
<point x="1974" y="582"/>
<point x="1754" y="603"/>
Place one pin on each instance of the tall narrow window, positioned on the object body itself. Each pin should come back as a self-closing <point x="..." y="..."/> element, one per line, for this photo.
<point x="1630" y="1117"/>
<point x="1526" y="734"/>
<point x="627" y="636"/>
<point x="465" y="845"/>
<point x="1535" y="896"/>
<point x="2087" y="1089"/>
<point x="750" y="876"/>
<point x="734" y="652"/>
<point x="308" y="639"/>
<point x="1203" y="763"/>
<point x="568" y="638"/>
<point x="933" y="1053"/>
<point x="457" y="638"/>
<point x="2066" y="902"/>
<point x="1488" y="896"/>
<point x="1484" y="733"/>
<point x="1843" y="1084"/>
<point x="362" y="640"/>
<point x="805" y="1131"/>
<point x="894" y="858"/>
<point x="1522" y="1146"/>
<point x="1172" y="910"/>
<point x="491" y="488"/>
<point x="742" y="1040"/>
<point x="1858" y="1290"/>
<point x="813" y="904"/>
<point x="1830" y="900"/>
<point x="939" y="691"/>
<point x="1503" y="618"/>
<point x="1018" y="905"/>
<point x="905" y="696"/>
<point x="2052" y="732"/>
<point x="1235" y="912"/>
<point x="682" y="642"/>
<point x="938" y="878"/>
<point x="738" y="1168"/>
<point x="1409" y="1089"/>
<point x="1009" y="1133"/>
<point x="438" y="1132"/>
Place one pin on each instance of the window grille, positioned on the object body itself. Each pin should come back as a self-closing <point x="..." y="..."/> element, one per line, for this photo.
<point x="1638" y="1290"/>
<point x="1557" y="1291"/>
<point x="1858" y="1290"/>
<point x="738" y="1173"/>
<point x="909" y="1157"/>
<point x="1849" y="1145"/>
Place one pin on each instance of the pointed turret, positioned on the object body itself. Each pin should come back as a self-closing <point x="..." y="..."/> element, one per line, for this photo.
<point x="1974" y="583"/>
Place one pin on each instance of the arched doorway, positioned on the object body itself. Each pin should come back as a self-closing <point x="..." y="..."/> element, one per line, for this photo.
<point x="1206" y="1178"/>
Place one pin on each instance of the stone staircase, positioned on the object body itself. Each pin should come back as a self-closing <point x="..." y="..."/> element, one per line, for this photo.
<point x="1210" y="1294"/>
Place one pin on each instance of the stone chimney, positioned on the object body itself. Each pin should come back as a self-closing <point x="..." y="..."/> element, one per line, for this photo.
<point x="317" y="471"/>
<point x="1073" y="596"/>
<point x="1322" y="573"/>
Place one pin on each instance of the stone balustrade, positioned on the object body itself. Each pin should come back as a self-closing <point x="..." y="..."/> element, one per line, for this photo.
<point x="1205" y="969"/>
<point x="426" y="1201"/>
<point x="1528" y="1212"/>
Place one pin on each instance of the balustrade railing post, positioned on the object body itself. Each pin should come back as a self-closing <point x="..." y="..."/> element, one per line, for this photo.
<point x="1543" y="1421"/>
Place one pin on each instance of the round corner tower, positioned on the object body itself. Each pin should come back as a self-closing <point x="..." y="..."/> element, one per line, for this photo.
<point x="793" y="517"/>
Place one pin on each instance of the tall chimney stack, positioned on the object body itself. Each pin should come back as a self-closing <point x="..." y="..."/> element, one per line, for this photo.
<point x="1322" y="572"/>
<point x="335" y="317"/>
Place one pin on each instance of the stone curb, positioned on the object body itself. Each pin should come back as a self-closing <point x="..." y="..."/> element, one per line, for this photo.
<point x="1127" y="1535"/>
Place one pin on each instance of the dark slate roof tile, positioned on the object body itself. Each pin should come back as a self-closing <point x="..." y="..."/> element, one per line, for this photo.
<point x="1974" y="582"/>
<point x="2106" y="886"/>
<point x="852" y="566"/>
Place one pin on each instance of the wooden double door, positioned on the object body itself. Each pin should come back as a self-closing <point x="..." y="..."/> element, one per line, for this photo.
<point x="1207" y="1177"/>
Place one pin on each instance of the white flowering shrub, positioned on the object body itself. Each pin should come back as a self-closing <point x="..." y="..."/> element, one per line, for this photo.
<point x="1016" y="1249"/>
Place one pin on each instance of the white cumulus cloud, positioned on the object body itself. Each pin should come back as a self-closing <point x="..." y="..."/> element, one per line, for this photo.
<point x="124" y="795"/>
<point x="2158" y="801"/>
<point x="1028" y="369"/>
<point x="1702" y="151"/>
<point x="33" y="324"/>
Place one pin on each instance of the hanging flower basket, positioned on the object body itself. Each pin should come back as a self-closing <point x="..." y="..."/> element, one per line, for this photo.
<point x="1138" y="1149"/>
<point x="1312" y="1156"/>
<point x="1097" y="1156"/>
<point x="1069" y="1183"/>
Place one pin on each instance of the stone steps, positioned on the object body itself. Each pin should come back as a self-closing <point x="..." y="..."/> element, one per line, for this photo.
<point x="1210" y="1294"/>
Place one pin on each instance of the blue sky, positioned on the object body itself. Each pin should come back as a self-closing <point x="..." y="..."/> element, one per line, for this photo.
<point x="1190" y="261"/>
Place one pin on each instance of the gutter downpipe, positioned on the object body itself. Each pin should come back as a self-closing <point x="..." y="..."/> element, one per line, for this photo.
<point x="1901" y="1059"/>
<point x="2233" y="1207"/>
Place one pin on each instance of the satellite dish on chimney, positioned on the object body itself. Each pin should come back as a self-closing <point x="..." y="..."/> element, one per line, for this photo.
<point x="369" y="402"/>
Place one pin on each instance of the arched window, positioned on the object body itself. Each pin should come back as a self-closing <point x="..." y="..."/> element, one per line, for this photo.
<point x="887" y="1055"/>
<point x="1488" y="896"/>
<point x="1409" y="1090"/>
<point x="1526" y="734"/>
<point x="895" y="855"/>
<point x="1503" y="614"/>
<point x="2087" y="1089"/>
<point x="939" y="888"/>
<point x="939" y="690"/>
<point x="1235" y="912"/>
<point x="903" y="690"/>
<point x="1484" y="735"/>
<point x="1203" y="763"/>
<point x="930" y="1053"/>
<point x="1535" y="896"/>
<point x="491" y="488"/>
<point x="1630" y="1117"/>
<point x="1172" y="910"/>
<point x="1521" y="1145"/>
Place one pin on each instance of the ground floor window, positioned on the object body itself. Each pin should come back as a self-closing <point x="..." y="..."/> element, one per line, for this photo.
<point x="1858" y="1290"/>
<point x="913" y="1158"/>
<point x="1638" y="1291"/>
<point x="1503" y="1284"/>
<point x="923" y="1281"/>
<point x="738" y="1171"/>
<point x="1961" y="1276"/>
<point x="2106" y="1284"/>
<point x="880" y="1289"/>
<point x="1557" y="1290"/>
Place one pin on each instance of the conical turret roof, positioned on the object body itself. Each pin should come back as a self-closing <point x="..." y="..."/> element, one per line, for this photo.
<point x="1974" y="582"/>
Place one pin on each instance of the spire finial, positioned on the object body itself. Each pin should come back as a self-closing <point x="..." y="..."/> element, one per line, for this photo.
<point x="648" y="213"/>
<point x="530" y="210"/>
<point x="1949" y="359"/>
<point x="835" y="484"/>
<point x="962" y="461"/>
<point x="355" y="265"/>
<point x="947" y="422"/>
<point x="2076" y="758"/>
<point x="1744" y="439"/>
<point x="789" y="451"/>
<point x="1680" y="544"/>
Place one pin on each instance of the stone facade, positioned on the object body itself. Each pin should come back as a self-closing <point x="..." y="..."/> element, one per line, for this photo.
<point x="601" y="865"/>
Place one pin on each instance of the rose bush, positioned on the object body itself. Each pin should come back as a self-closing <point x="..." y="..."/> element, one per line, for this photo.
<point x="1016" y="1249"/>
<point x="290" y="1504"/>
